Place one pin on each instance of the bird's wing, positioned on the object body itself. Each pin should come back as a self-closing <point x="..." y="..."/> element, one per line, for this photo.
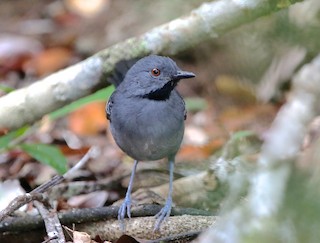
<point x="185" y="110"/>
<point x="184" y="105"/>
<point x="109" y="108"/>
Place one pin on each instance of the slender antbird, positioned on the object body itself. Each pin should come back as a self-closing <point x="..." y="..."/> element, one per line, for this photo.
<point x="146" y="115"/>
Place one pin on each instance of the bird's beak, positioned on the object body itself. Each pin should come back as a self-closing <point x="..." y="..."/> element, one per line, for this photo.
<point x="183" y="74"/>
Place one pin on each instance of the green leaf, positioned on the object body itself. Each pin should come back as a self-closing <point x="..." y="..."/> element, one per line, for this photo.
<point x="100" y="95"/>
<point x="242" y="134"/>
<point x="6" y="139"/>
<point x="47" y="154"/>
<point x="6" y="88"/>
<point x="195" y="104"/>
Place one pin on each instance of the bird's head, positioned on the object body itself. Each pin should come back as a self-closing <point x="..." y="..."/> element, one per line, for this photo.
<point x="154" y="77"/>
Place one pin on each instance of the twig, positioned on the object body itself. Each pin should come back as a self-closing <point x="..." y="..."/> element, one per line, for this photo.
<point x="34" y="194"/>
<point x="51" y="220"/>
<point x="44" y="187"/>
<point x="59" y="178"/>
<point x="93" y="151"/>
<point x="49" y="239"/>
<point x="22" y="200"/>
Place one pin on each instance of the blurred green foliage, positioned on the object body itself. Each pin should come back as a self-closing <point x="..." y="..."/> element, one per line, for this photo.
<point x="5" y="88"/>
<point x="47" y="154"/>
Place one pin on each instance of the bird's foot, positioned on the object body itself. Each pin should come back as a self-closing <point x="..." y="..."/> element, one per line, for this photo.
<point x="163" y="214"/>
<point x="123" y="210"/>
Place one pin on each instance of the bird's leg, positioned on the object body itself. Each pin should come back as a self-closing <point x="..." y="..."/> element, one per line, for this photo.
<point x="166" y="210"/>
<point x="126" y="205"/>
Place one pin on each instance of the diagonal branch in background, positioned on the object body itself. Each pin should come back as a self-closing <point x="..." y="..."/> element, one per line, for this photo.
<point x="210" y="20"/>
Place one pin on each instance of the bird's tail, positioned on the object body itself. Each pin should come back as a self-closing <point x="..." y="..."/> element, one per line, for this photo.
<point x="120" y="71"/>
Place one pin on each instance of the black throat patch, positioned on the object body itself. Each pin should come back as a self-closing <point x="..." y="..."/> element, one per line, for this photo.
<point x="162" y="93"/>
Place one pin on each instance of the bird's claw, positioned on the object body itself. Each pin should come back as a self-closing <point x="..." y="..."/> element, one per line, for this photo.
<point x="163" y="214"/>
<point x="123" y="210"/>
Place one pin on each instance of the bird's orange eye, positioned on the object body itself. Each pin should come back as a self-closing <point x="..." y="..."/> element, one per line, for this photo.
<point x="155" y="72"/>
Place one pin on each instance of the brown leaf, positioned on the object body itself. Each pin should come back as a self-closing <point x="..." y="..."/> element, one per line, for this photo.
<point x="15" y="51"/>
<point x="88" y="120"/>
<point x="81" y="237"/>
<point x="49" y="61"/>
<point x="67" y="151"/>
<point x="90" y="200"/>
<point x="197" y="153"/>
<point x="78" y="236"/>
<point x="127" y="239"/>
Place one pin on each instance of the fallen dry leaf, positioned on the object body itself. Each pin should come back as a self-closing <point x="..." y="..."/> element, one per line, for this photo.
<point x="15" y="51"/>
<point x="127" y="239"/>
<point x="198" y="153"/>
<point x="81" y="237"/>
<point x="49" y="61"/>
<point x="88" y="120"/>
<point x="78" y="236"/>
<point x="90" y="200"/>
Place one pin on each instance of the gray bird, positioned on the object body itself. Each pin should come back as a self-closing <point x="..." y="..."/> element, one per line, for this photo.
<point x="146" y="115"/>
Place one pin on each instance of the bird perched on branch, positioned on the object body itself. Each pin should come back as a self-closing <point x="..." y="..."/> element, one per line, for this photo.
<point x="146" y="115"/>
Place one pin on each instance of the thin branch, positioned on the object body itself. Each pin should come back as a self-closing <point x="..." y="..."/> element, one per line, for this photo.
<point x="59" y="178"/>
<point x="22" y="200"/>
<point x="92" y="153"/>
<point x="51" y="222"/>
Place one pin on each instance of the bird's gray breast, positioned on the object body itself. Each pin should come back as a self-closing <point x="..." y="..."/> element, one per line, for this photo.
<point x="148" y="129"/>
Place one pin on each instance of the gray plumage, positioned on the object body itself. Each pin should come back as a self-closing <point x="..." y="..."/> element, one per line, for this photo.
<point x="147" y="115"/>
